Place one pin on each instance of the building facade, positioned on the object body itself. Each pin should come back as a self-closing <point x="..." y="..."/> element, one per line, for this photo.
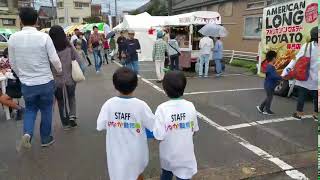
<point x="242" y="18"/>
<point x="72" y="11"/>
<point x="46" y="16"/>
<point x="96" y="10"/>
<point x="9" y="13"/>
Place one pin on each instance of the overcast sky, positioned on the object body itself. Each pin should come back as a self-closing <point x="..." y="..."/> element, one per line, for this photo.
<point x="122" y="4"/>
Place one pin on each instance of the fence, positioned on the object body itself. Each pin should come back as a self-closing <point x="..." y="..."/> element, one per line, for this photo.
<point x="243" y="55"/>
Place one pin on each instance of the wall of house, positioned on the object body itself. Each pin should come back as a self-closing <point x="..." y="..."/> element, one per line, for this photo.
<point x="69" y="11"/>
<point x="10" y="12"/>
<point x="233" y="14"/>
<point x="10" y="16"/>
<point x="233" y="18"/>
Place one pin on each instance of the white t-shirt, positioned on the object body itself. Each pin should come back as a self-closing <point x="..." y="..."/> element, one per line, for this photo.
<point x="125" y="120"/>
<point x="176" y="122"/>
<point x="206" y="45"/>
<point x="312" y="82"/>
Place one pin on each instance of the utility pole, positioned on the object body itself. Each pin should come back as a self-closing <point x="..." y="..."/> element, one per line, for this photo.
<point x="116" y="9"/>
<point x="53" y="13"/>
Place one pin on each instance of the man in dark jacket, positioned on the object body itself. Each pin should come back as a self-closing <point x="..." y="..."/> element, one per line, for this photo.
<point x="131" y="49"/>
<point x="121" y="43"/>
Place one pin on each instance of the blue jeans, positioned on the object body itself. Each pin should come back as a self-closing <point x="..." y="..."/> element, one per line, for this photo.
<point x="37" y="98"/>
<point x="204" y="60"/>
<point x="97" y="58"/>
<point x="218" y="66"/>
<point x="168" y="175"/>
<point x="134" y="65"/>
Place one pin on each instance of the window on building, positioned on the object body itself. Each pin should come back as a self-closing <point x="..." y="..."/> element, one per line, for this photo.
<point x="75" y="20"/>
<point x="60" y="4"/>
<point x="2" y="39"/>
<point x="273" y="2"/>
<point x="77" y="4"/>
<point x="3" y="3"/>
<point x="9" y="22"/>
<point x="61" y="20"/>
<point x="254" y="4"/>
<point x="252" y="27"/>
<point x="85" y="4"/>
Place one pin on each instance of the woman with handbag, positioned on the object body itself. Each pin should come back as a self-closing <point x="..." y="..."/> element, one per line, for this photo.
<point x="174" y="52"/>
<point x="310" y="85"/>
<point x="65" y="85"/>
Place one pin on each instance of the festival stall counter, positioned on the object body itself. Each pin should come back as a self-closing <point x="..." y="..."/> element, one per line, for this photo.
<point x="186" y="27"/>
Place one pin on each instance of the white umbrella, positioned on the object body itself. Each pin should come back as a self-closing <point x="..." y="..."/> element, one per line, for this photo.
<point x="213" y="30"/>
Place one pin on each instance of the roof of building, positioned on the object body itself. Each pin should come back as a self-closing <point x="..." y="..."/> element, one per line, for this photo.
<point x="46" y="11"/>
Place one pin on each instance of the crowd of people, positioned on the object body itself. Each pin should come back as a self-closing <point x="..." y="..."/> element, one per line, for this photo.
<point x="46" y="74"/>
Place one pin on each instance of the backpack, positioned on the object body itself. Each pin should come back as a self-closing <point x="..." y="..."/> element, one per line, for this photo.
<point x="301" y="69"/>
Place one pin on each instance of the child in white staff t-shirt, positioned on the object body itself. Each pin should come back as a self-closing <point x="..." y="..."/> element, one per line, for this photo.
<point x="125" y="119"/>
<point x="176" y="122"/>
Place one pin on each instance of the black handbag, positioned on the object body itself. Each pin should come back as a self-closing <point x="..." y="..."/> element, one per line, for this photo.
<point x="13" y="88"/>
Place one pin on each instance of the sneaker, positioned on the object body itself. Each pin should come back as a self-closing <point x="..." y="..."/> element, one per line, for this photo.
<point x="73" y="123"/>
<point x="26" y="141"/>
<point x="20" y="114"/>
<point x="296" y="116"/>
<point x="49" y="142"/>
<point x="66" y="127"/>
<point x="205" y="76"/>
<point x="98" y="72"/>
<point x="259" y="109"/>
<point x="270" y="113"/>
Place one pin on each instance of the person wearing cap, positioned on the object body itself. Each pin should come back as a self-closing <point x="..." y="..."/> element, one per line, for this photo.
<point x="158" y="55"/>
<point x="131" y="49"/>
<point x="311" y="85"/>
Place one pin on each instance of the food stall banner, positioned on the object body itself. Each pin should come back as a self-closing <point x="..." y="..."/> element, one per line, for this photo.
<point x="194" y="18"/>
<point x="285" y="28"/>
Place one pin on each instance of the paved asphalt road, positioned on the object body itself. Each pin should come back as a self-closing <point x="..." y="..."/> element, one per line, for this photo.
<point x="234" y="141"/>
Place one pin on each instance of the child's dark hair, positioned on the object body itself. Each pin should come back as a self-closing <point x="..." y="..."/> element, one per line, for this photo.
<point x="125" y="80"/>
<point x="271" y="55"/>
<point x="174" y="83"/>
<point x="5" y="53"/>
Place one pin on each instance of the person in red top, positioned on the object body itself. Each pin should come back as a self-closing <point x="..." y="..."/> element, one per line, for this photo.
<point x="95" y="42"/>
<point x="106" y="48"/>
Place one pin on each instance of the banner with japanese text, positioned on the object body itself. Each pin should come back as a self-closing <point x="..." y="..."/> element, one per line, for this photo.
<point x="286" y="27"/>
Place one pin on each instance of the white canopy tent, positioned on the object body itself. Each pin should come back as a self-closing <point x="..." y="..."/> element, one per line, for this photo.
<point x="141" y="24"/>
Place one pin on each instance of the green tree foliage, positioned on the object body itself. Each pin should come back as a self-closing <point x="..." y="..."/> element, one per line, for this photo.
<point x="158" y="8"/>
<point x="155" y="8"/>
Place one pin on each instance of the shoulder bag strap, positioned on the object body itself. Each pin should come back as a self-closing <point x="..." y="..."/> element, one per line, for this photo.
<point x="173" y="48"/>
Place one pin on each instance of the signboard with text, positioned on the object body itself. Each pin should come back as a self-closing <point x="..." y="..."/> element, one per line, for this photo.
<point x="286" y="27"/>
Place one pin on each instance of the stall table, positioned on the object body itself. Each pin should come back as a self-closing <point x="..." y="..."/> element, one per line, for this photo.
<point x="3" y="80"/>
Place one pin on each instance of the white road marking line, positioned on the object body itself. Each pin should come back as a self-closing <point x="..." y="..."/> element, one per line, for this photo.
<point x="267" y="121"/>
<point x="222" y="91"/>
<point x="196" y="77"/>
<point x="290" y="171"/>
